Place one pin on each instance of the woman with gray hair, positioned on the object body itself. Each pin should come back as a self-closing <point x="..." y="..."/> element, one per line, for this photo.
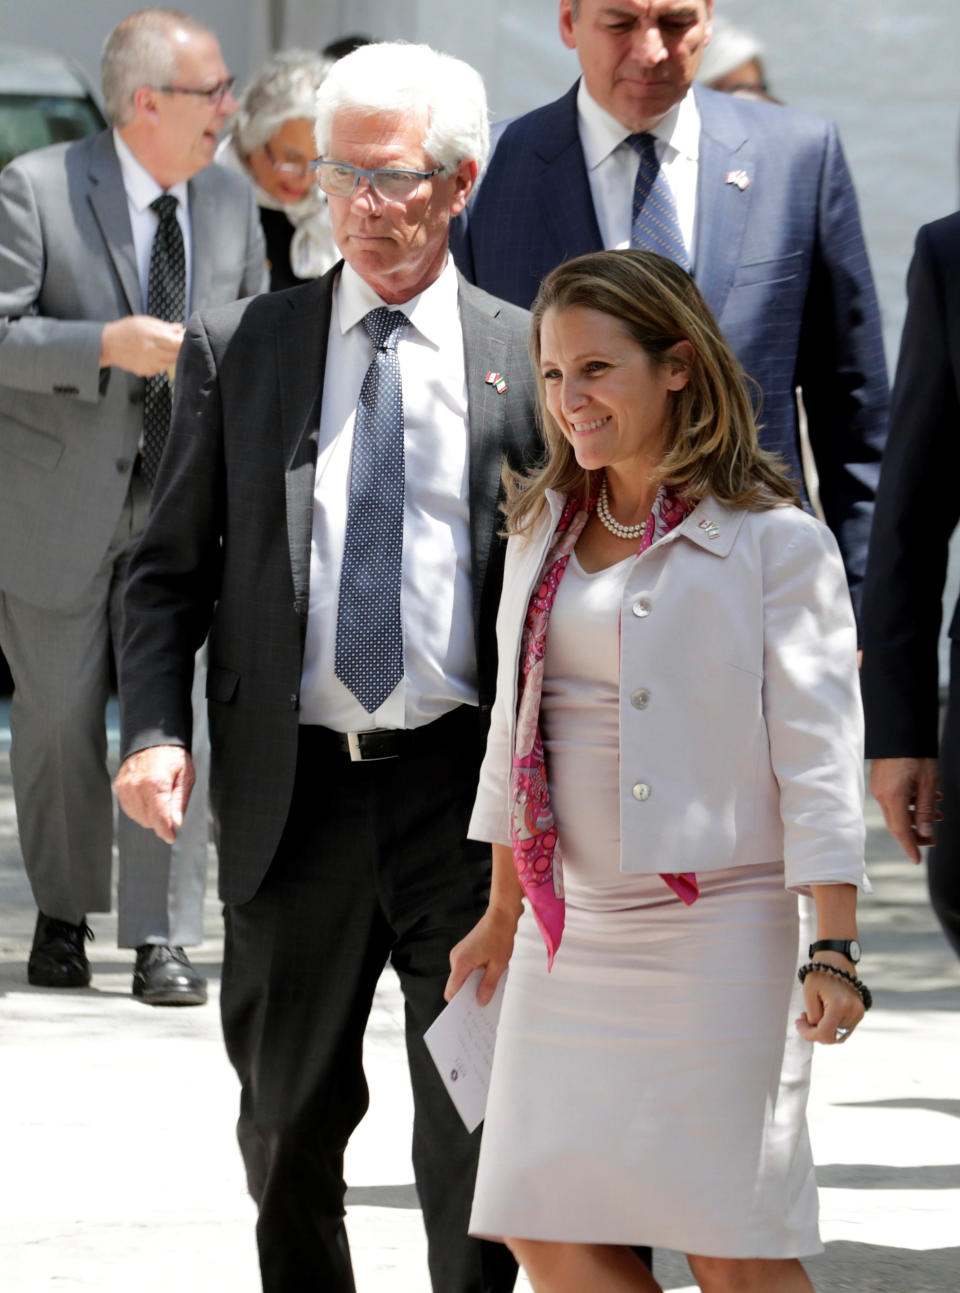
<point x="271" y="140"/>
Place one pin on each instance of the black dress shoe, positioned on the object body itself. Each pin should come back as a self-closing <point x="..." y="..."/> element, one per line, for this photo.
<point x="58" y="958"/>
<point x="163" y="976"/>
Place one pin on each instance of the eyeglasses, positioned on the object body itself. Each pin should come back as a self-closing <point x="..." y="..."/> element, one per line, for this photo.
<point x="339" y="180"/>
<point x="299" y="169"/>
<point x="214" y="96"/>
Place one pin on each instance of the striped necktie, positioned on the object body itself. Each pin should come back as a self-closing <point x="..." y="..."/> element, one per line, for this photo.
<point x="654" y="226"/>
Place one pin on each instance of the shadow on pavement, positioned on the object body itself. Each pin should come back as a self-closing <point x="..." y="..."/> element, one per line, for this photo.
<point x="383" y="1196"/>
<point x="880" y="1176"/>
<point x="844" y="1268"/>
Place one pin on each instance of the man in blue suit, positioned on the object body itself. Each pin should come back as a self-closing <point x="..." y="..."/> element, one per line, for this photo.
<point x="760" y="207"/>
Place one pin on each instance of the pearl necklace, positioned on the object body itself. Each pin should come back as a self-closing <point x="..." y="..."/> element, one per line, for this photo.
<point x="608" y="522"/>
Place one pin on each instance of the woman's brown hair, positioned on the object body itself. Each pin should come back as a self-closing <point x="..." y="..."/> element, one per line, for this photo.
<point x="712" y="440"/>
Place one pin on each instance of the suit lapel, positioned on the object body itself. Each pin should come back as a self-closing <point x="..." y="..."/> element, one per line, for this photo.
<point x="203" y="236"/>
<point x="723" y="207"/>
<point x="300" y="348"/>
<point x="108" y="199"/>
<point x="486" y="350"/>
<point x="562" y="187"/>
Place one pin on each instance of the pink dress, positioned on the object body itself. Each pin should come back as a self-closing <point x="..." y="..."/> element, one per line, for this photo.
<point x="634" y="1096"/>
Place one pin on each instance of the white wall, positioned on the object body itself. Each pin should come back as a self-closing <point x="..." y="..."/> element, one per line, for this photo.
<point x="513" y="43"/>
<point x="78" y="28"/>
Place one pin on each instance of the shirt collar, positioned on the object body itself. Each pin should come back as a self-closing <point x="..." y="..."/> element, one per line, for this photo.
<point x="140" y="186"/>
<point x="430" y="311"/>
<point x="601" y="133"/>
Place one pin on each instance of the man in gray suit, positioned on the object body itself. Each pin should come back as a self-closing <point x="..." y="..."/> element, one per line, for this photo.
<point x="97" y="238"/>
<point x="328" y="510"/>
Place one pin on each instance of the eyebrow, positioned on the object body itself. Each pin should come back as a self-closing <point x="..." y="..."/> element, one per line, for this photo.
<point x="680" y="11"/>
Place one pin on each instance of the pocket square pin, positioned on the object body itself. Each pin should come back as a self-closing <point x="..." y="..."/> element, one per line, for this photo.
<point x="497" y="381"/>
<point x="739" y="178"/>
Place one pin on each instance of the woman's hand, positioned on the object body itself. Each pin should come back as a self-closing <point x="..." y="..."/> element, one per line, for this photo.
<point x="488" y="946"/>
<point x="833" y="1007"/>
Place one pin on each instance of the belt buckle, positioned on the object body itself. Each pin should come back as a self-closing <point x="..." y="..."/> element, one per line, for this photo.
<point x="356" y="751"/>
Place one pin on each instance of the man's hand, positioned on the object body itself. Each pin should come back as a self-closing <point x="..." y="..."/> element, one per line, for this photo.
<point x="906" y="790"/>
<point x="140" y="344"/>
<point x="153" y="787"/>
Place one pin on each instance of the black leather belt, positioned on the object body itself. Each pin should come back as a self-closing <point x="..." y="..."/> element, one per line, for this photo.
<point x="390" y="742"/>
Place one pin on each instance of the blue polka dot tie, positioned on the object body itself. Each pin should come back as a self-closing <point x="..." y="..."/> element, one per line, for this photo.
<point x="166" y="299"/>
<point x="369" y="648"/>
<point x="654" y="226"/>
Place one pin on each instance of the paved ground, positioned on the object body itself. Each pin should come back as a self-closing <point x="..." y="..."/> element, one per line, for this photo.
<point x="118" y="1169"/>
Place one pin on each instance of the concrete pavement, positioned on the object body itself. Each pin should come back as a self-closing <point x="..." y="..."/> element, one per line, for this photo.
<point x="119" y="1170"/>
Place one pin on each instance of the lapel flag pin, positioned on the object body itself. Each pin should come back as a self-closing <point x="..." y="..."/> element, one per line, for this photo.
<point x="740" y="178"/>
<point x="498" y="382"/>
<point x="711" y="527"/>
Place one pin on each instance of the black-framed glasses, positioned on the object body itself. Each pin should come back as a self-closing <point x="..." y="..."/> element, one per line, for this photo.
<point x="339" y="180"/>
<point x="214" y="96"/>
<point x="299" y="169"/>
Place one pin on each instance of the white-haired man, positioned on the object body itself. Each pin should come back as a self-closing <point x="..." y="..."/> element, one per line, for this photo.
<point x="327" y="508"/>
<point x="104" y="246"/>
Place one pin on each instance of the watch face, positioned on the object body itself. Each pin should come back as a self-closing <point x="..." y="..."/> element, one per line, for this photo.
<point x="848" y="947"/>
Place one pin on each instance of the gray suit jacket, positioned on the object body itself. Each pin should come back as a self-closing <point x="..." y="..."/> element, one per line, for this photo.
<point x="69" y="430"/>
<point x="227" y="548"/>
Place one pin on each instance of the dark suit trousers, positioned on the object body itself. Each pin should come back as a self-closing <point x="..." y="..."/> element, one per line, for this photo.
<point x="943" y="861"/>
<point x="373" y="864"/>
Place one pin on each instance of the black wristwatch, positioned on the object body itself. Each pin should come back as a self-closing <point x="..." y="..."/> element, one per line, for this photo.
<point x="848" y="947"/>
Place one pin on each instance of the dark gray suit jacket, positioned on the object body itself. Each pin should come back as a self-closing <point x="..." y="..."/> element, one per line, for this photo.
<point x="780" y="261"/>
<point x="918" y="508"/>
<point x="69" y="430"/>
<point x="227" y="547"/>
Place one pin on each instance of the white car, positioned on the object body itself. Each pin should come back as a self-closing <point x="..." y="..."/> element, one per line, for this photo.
<point x="44" y="99"/>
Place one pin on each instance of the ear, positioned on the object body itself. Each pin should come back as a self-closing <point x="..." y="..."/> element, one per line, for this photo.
<point x="465" y="178"/>
<point x="708" y="29"/>
<point x="679" y="360"/>
<point x="145" y="102"/>
<point x="567" y="33"/>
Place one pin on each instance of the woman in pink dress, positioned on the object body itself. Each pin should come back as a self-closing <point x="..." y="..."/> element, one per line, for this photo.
<point x="675" y="754"/>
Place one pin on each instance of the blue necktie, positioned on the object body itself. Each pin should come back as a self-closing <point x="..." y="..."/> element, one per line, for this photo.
<point x="369" y="648"/>
<point x="654" y="225"/>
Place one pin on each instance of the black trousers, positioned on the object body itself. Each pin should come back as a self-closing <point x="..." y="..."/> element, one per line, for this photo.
<point x="943" y="861"/>
<point x="373" y="864"/>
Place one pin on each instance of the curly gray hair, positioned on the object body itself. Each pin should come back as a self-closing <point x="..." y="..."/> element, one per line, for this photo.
<point x="284" y="89"/>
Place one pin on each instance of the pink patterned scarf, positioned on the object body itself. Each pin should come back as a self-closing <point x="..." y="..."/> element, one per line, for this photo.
<point x="536" y="849"/>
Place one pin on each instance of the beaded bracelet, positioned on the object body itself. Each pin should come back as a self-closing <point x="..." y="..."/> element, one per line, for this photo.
<point x="864" y="992"/>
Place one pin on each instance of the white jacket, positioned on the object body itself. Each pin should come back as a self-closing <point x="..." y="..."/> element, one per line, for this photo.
<point x="741" y="731"/>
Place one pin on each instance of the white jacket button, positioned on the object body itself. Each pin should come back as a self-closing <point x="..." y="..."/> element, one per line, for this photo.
<point x="640" y="698"/>
<point x="641" y="791"/>
<point x="641" y="608"/>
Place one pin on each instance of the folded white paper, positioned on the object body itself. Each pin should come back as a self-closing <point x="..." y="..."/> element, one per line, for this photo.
<point x="461" y="1041"/>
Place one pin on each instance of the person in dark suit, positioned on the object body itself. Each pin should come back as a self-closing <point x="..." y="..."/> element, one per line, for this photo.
<point x="761" y="209"/>
<point x="104" y="245"/>
<point x="917" y="511"/>
<point x="328" y="509"/>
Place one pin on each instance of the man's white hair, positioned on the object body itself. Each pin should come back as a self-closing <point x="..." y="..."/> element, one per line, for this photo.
<point x="396" y="77"/>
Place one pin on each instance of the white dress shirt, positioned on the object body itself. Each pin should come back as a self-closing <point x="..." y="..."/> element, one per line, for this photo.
<point x="142" y="189"/>
<point x="436" y="595"/>
<point x="612" y="166"/>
